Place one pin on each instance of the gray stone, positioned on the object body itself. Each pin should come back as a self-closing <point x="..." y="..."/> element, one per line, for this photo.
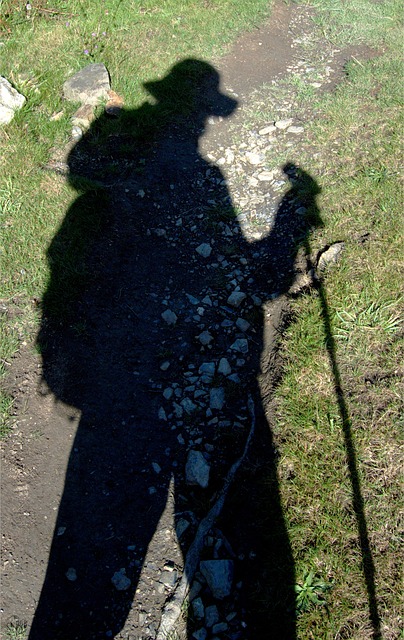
<point x="205" y="338"/>
<point x="240" y="345"/>
<point x="224" y="367"/>
<point x="198" y="608"/>
<point x="10" y="101"/>
<point x="188" y="405"/>
<point x="219" y="576"/>
<point x="217" y="398"/>
<point x="89" y="85"/>
<point x="220" y="627"/>
<point x="236" y="298"/>
<point x="242" y="324"/>
<point x="169" y="317"/>
<point x="204" y="250"/>
<point x="211" y="615"/>
<point x="169" y="578"/>
<point x="71" y="574"/>
<point x="201" y="634"/>
<point x="330" y="256"/>
<point x="197" y="469"/>
<point x="181" y="526"/>
<point x="207" y="368"/>
<point x="120" y="580"/>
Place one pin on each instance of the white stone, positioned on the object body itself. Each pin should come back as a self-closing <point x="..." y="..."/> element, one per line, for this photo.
<point x="295" y="129"/>
<point x="10" y="101"/>
<point x="266" y="130"/>
<point x="283" y="124"/>
<point x="266" y="176"/>
<point x="254" y="158"/>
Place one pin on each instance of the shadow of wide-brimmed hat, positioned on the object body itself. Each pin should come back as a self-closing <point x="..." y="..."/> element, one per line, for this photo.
<point x="193" y="83"/>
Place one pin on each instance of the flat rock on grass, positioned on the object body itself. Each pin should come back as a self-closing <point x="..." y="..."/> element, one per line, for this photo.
<point x="89" y="85"/>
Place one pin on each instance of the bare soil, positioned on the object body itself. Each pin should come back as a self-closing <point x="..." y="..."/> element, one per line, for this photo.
<point x="93" y="473"/>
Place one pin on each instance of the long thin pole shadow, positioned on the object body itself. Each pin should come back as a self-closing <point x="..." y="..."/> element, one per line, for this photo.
<point x="357" y="498"/>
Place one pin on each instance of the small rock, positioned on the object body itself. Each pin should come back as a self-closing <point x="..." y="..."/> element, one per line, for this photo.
<point x="330" y="256"/>
<point x="205" y="338"/>
<point x="211" y="616"/>
<point x="295" y="129"/>
<point x="224" y="367"/>
<point x="181" y="526"/>
<point x="89" y="85"/>
<point x="201" y="634"/>
<point x="240" y="345"/>
<point x="207" y="368"/>
<point x="120" y="580"/>
<point x="198" y="608"/>
<point x="283" y="124"/>
<point x="217" y="398"/>
<point x="220" y="627"/>
<point x="10" y="101"/>
<point x="197" y="469"/>
<point x="162" y="414"/>
<point x="219" y="576"/>
<point x="266" y="176"/>
<point x="266" y="130"/>
<point x="204" y="250"/>
<point x="192" y="299"/>
<point x="71" y="574"/>
<point x="254" y="158"/>
<point x="83" y="117"/>
<point x="169" y="317"/>
<point x="168" y="578"/>
<point x="242" y="324"/>
<point x="114" y="105"/>
<point x="236" y="298"/>
<point x="156" y="467"/>
<point x="188" y="405"/>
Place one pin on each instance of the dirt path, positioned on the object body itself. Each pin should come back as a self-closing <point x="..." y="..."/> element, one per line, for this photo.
<point x="184" y="280"/>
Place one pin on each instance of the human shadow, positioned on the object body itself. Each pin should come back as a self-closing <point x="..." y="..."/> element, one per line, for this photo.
<point x="153" y="230"/>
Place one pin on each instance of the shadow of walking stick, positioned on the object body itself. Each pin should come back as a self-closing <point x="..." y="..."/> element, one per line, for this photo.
<point x="351" y="459"/>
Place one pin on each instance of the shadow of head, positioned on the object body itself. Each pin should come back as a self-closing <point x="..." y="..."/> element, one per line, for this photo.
<point x="192" y="86"/>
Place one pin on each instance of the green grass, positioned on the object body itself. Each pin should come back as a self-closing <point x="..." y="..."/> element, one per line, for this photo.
<point x="339" y="422"/>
